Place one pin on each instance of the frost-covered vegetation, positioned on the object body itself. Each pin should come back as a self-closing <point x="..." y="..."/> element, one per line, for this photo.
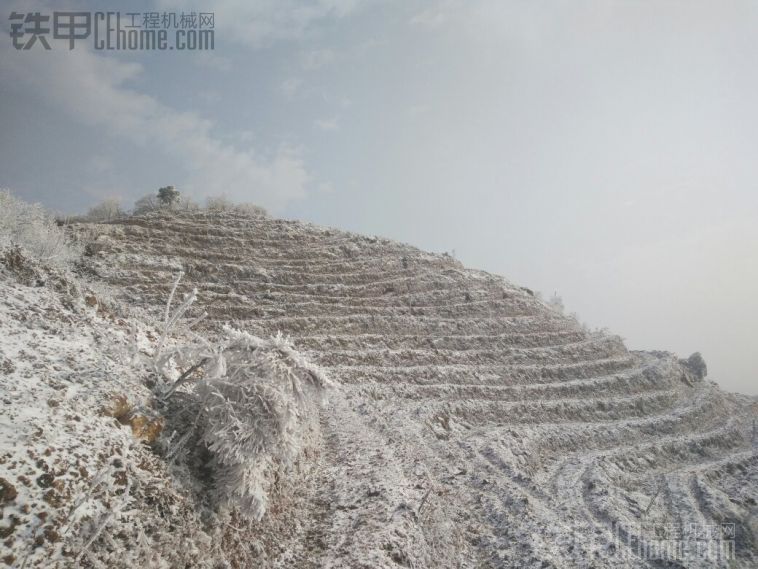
<point x="106" y="210"/>
<point x="33" y="229"/>
<point x="475" y="425"/>
<point x="167" y="198"/>
<point x="220" y="204"/>
<point x="471" y="423"/>
<point x="128" y="443"/>
<point x="255" y="406"/>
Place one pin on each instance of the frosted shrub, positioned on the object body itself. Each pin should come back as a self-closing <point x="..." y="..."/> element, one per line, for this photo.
<point x="185" y="203"/>
<point x="256" y="406"/>
<point x="218" y="204"/>
<point x="34" y="229"/>
<point x="250" y="209"/>
<point x="256" y="418"/>
<point x="105" y="211"/>
<point x="145" y="204"/>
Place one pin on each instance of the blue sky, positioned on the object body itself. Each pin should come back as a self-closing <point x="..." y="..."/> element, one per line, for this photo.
<point x="604" y="150"/>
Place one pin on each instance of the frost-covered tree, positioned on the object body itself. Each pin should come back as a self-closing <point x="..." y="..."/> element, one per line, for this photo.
<point x="218" y="203"/>
<point x="556" y="303"/>
<point x="696" y="364"/>
<point x="33" y="228"/>
<point x="167" y="196"/>
<point x="105" y="211"/>
<point x="145" y="204"/>
<point x="185" y="203"/>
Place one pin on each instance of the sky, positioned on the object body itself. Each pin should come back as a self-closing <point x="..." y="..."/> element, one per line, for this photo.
<point x="601" y="150"/>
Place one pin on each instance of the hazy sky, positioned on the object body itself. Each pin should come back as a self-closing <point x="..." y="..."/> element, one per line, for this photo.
<point x="604" y="150"/>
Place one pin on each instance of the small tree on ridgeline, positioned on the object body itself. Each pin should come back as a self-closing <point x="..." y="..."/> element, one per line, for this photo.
<point x="168" y="195"/>
<point x="556" y="303"/>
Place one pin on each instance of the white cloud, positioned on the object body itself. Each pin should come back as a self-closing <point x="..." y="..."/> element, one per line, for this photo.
<point x="95" y="90"/>
<point x="100" y="163"/>
<point x="418" y="110"/>
<point x="317" y="58"/>
<point x="208" y="96"/>
<point x="245" y="136"/>
<point x="432" y="17"/>
<point x="325" y="188"/>
<point x="328" y="124"/>
<point x="210" y="60"/>
<point x="291" y="87"/>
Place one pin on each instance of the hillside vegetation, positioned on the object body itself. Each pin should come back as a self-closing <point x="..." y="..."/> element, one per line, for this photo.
<point x="424" y="414"/>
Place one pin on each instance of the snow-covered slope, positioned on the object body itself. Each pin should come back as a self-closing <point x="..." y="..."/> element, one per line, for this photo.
<point x="470" y="425"/>
<point x="92" y="472"/>
<point x="75" y="468"/>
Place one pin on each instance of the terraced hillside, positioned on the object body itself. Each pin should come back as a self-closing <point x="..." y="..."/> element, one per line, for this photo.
<point x="472" y="425"/>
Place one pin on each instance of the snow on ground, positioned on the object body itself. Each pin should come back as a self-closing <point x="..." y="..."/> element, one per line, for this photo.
<point x="75" y="420"/>
<point x="467" y="424"/>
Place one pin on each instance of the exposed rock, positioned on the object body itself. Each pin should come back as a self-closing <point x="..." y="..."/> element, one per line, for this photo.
<point x="8" y="492"/>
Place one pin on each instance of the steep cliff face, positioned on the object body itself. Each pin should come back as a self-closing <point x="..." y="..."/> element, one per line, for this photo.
<point x="471" y="425"/>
